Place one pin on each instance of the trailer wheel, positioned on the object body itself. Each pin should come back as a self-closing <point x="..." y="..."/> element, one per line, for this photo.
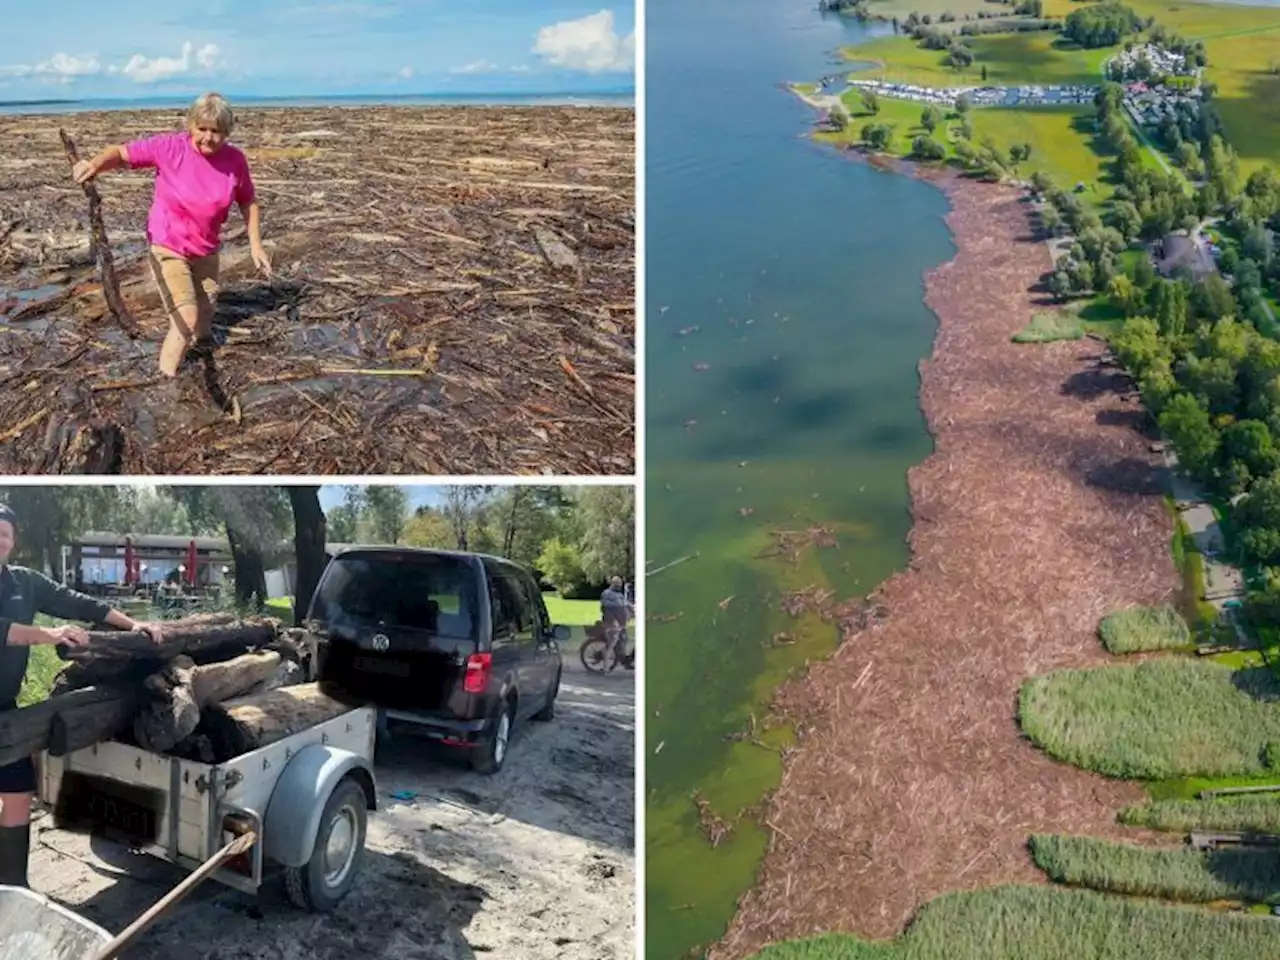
<point x="339" y="851"/>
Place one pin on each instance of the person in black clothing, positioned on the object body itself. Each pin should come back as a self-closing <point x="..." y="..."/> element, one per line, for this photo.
<point x="23" y="594"/>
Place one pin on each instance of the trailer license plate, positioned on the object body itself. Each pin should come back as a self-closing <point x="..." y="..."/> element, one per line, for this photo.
<point x="393" y="668"/>
<point x="95" y="803"/>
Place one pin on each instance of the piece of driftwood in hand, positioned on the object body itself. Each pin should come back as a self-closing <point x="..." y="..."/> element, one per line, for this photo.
<point x="242" y="725"/>
<point x="132" y="656"/>
<point x="27" y="730"/>
<point x="101" y="247"/>
<point x="176" y="695"/>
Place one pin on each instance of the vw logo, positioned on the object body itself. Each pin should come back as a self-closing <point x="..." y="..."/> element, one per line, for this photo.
<point x="381" y="642"/>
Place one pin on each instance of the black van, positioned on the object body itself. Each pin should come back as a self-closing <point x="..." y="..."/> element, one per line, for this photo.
<point x="458" y="644"/>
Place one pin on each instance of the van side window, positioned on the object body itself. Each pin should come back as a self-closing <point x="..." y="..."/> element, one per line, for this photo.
<point x="519" y="602"/>
<point x="506" y="610"/>
<point x="533" y="597"/>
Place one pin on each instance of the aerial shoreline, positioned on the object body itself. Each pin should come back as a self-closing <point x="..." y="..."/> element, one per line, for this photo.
<point x="1020" y="509"/>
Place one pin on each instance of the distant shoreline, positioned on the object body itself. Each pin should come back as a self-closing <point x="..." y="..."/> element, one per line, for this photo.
<point x="616" y="98"/>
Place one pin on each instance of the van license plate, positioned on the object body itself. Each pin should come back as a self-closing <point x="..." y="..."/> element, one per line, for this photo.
<point x="392" y="668"/>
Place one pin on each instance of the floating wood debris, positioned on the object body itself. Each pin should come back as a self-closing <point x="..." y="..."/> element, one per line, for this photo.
<point x="454" y="293"/>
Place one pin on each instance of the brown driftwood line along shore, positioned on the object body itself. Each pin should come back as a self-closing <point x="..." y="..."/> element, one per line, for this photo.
<point x="454" y="292"/>
<point x="1032" y="520"/>
<point x="164" y="696"/>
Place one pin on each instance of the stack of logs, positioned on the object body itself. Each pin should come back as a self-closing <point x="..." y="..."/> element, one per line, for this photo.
<point x="215" y="688"/>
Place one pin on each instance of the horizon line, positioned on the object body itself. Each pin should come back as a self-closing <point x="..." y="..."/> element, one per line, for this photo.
<point x="597" y="92"/>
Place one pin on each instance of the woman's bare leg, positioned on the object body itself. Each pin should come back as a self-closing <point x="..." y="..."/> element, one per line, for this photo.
<point x="182" y="332"/>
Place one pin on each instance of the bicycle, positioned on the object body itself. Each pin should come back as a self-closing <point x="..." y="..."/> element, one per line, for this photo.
<point x="599" y="652"/>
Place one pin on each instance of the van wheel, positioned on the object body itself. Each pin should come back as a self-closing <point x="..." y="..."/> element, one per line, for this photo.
<point x="339" y="851"/>
<point x="548" y="711"/>
<point x="489" y="757"/>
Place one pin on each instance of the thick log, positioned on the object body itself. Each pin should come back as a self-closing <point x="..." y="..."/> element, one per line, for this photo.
<point x="242" y="725"/>
<point x="182" y="689"/>
<point x="82" y="726"/>
<point x="115" y="656"/>
<point x="27" y="730"/>
<point x="102" y="247"/>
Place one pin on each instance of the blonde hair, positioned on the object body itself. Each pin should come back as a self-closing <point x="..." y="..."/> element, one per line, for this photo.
<point x="212" y="108"/>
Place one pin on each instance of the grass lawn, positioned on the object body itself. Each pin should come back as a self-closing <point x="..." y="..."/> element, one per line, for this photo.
<point x="1144" y="628"/>
<point x="1194" y="876"/>
<point x="1060" y="137"/>
<point x="42" y="669"/>
<point x="572" y="613"/>
<point x="1164" y="719"/>
<point x="1247" y="813"/>
<point x="934" y="8"/>
<point x="280" y="607"/>
<point x="1010" y="59"/>
<point x="1047" y="923"/>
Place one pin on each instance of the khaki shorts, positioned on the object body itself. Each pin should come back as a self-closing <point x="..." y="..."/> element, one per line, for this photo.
<point x="183" y="281"/>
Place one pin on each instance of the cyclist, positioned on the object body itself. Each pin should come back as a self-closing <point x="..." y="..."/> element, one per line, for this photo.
<point x="615" y="611"/>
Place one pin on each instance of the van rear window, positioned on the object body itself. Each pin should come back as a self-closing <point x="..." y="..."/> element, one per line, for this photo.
<point x="431" y="593"/>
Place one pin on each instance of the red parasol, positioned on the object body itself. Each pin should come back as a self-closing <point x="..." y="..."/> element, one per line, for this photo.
<point x="129" y="560"/>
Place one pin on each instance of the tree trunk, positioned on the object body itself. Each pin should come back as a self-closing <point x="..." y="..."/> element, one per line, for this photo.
<point x="77" y="727"/>
<point x="181" y="690"/>
<point x="131" y="656"/>
<point x="309" y="546"/>
<point x="242" y="725"/>
<point x="251" y="577"/>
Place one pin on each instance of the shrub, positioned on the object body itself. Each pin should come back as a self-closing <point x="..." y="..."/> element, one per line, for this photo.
<point x="1259" y="813"/>
<point x="1161" y="720"/>
<point x="1197" y="876"/>
<point x="1051" y="326"/>
<point x="1144" y="628"/>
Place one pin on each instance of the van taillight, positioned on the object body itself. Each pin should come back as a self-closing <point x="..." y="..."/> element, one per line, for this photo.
<point x="479" y="666"/>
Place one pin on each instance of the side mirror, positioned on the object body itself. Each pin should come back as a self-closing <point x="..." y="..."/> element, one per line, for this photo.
<point x="561" y="634"/>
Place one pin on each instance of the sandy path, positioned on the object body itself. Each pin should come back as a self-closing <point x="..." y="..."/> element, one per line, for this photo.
<point x="536" y="862"/>
<point x="918" y="781"/>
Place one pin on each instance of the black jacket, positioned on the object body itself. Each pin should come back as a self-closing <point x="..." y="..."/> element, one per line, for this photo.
<point x="23" y="594"/>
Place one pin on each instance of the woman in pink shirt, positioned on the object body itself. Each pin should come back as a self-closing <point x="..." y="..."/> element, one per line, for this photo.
<point x="198" y="177"/>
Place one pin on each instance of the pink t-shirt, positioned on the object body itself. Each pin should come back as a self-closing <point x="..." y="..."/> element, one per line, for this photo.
<point x="193" y="192"/>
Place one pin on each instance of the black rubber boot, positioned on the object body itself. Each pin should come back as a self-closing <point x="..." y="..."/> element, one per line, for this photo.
<point x="15" y="848"/>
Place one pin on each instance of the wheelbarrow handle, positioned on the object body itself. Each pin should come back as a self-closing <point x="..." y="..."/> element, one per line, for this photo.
<point x="117" y="946"/>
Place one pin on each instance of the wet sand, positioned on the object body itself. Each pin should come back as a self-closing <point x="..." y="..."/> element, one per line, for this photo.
<point x="1039" y="513"/>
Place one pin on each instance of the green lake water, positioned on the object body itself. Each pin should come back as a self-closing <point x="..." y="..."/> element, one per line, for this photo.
<point x="793" y="278"/>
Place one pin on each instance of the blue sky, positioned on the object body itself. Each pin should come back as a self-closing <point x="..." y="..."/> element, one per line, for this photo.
<point x="332" y="495"/>
<point x="78" y="49"/>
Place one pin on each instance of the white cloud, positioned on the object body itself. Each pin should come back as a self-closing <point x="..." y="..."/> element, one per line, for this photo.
<point x="142" y="69"/>
<point x="61" y="66"/>
<point x="406" y="72"/>
<point x="590" y="44"/>
<point x="478" y="66"/>
<point x="521" y="68"/>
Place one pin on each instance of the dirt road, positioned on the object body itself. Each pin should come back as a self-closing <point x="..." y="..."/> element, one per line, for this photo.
<point x="537" y="861"/>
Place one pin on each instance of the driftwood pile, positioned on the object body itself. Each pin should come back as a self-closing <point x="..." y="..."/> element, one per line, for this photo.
<point x="454" y="293"/>
<point x="216" y="688"/>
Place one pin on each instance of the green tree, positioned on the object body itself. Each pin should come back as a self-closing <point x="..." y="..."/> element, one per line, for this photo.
<point x="428" y="528"/>
<point x="1186" y="423"/>
<point x="608" y="525"/>
<point x="387" y="508"/>
<point x="561" y="563"/>
<point x="870" y="100"/>
<point x="930" y="118"/>
<point x="1258" y="516"/>
<point x="1250" y="443"/>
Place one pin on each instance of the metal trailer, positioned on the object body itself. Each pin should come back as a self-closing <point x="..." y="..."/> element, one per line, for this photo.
<point x="300" y="804"/>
